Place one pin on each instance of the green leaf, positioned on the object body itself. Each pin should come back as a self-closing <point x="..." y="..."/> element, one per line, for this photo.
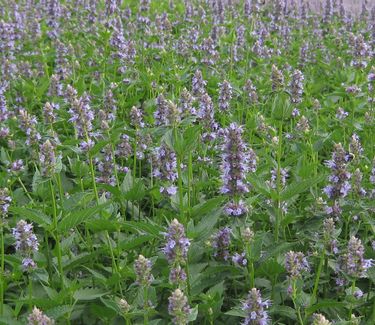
<point x="205" y="226"/>
<point x="299" y="187"/>
<point x="281" y="107"/>
<point x="202" y="209"/>
<point x="102" y="225"/>
<point x="135" y="242"/>
<point x="193" y="314"/>
<point x="33" y="215"/>
<point x="79" y="260"/>
<point x="88" y="294"/>
<point x="75" y="218"/>
<point x="111" y="304"/>
<point x="324" y="304"/>
<point x="132" y="190"/>
<point x="147" y="227"/>
<point x="236" y="312"/>
<point x="285" y="311"/>
<point x="38" y="182"/>
<point x="259" y="185"/>
<point x="59" y="311"/>
<point x="9" y="321"/>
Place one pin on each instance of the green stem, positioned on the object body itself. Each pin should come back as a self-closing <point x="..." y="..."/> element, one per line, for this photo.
<point x="297" y="308"/>
<point x="92" y="172"/>
<point x="30" y="293"/>
<point x="188" y="278"/>
<point x="25" y="190"/>
<point x="317" y="278"/>
<point x="2" y="272"/>
<point x="180" y="191"/>
<point x="145" y="305"/>
<point x="278" y="185"/>
<point x="351" y="305"/>
<point x="180" y="186"/>
<point x="56" y="235"/>
<point x="250" y="267"/>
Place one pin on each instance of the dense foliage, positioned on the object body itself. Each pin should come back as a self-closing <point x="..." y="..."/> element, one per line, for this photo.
<point x="206" y="162"/>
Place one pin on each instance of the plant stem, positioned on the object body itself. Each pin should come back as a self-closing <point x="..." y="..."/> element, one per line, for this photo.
<point x="25" y="190"/>
<point x="317" y="278"/>
<point x="351" y="305"/>
<point x="30" y="293"/>
<point x="278" y="185"/>
<point x="56" y="235"/>
<point x="250" y="267"/>
<point x="297" y="308"/>
<point x="2" y="272"/>
<point x="145" y="305"/>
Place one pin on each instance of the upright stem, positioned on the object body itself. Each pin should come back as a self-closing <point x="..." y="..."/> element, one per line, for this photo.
<point x="180" y="186"/>
<point x="30" y="293"/>
<point x="250" y="266"/>
<point x="145" y="305"/>
<point x="317" y="278"/>
<point x="190" y="180"/>
<point x="297" y="308"/>
<point x="351" y="305"/>
<point x="92" y="172"/>
<point x="180" y="191"/>
<point x="278" y="185"/>
<point x="114" y="264"/>
<point x="2" y="272"/>
<point x="25" y="190"/>
<point x="56" y="235"/>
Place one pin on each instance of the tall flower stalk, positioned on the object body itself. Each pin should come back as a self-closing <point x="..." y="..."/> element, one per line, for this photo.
<point x="5" y="201"/>
<point x="237" y="161"/>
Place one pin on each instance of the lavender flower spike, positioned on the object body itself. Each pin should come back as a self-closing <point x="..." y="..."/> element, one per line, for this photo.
<point x="38" y="318"/>
<point x="339" y="178"/>
<point x="5" y="201"/>
<point x="47" y="158"/>
<point x="142" y="268"/>
<point x="255" y="306"/>
<point x="177" y="244"/>
<point x="237" y="161"/>
<point x="165" y="167"/>
<point x="296" y="86"/>
<point x="295" y="264"/>
<point x="319" y="319"/>
<point x="26" y="243"/>
<point x="221" y="243"/>
<point x="179" y="308"/>
<point x="225" y="95"/>
<point x="353" y="262"/>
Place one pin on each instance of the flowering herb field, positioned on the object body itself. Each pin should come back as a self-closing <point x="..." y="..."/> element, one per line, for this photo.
<point x="173" y="162"/>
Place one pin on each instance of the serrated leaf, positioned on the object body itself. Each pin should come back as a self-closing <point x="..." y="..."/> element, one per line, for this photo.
<point x="77" y="217"/>
<point x="259" y="185"/>
<point x="299" y="187"/>
<point x="285" y="311"/>
<point x="38" y="180"/>
<point x="206" y="207"/>
<point x="134" y="242"/>
<point x="58" y="311"/>
<point x="146" y="227"/>
<point x="323" y="304"/>
<point x="79" y="260"/>
<point x="88" y="294"/>
<point x="236" y="312"/>
<point x="193" y="314"/>
<point x="9" y="321"/>
<point x="33" y="215"/>
<point x="102" y="225"/>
